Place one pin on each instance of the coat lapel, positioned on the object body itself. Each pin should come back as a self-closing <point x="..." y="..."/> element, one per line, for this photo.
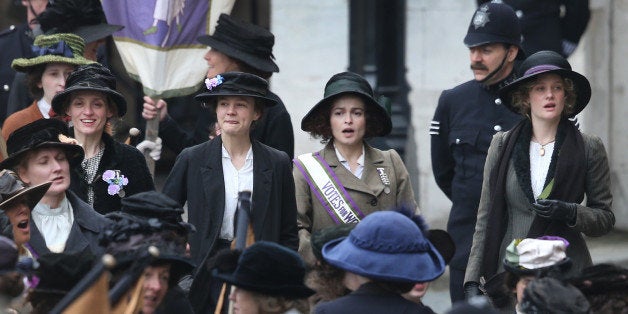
<point x="370" y="182"/>
<point x="262" y="181"/>
<point x="37" y="241"/>
<point x="213" y="188"/>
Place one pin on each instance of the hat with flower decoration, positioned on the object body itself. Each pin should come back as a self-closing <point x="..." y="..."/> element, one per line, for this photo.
<point x="530" y="256"/>
<point x="56" y="48"/>
<point x="235" y="84"/>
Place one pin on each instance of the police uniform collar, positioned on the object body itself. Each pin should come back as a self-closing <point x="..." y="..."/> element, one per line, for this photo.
<point x="498" y="85"/>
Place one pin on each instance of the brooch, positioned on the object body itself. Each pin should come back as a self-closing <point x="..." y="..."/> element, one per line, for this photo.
<point x="384" y="177"/>
<point x="116" y="182"/>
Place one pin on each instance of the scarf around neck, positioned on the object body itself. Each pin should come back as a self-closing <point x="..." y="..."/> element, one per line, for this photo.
<point x="567" y="175"/>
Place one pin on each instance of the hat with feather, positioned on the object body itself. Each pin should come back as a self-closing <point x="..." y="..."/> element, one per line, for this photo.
<point x="84" y="18"/>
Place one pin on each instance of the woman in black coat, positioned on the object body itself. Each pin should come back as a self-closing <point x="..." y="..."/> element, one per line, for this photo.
<point x="110" y="170"/>
<point x="61" y="222"/>
<point x="210" y="176"/>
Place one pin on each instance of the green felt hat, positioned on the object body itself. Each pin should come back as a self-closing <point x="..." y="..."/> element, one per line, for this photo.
<point x="56" y="48"/>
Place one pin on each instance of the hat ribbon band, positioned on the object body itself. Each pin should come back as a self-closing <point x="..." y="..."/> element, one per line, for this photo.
<point x="541" y="68"/>
<point x="59" y="49"/>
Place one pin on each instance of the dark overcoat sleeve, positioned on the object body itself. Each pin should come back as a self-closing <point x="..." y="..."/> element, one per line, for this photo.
<point x="442" y="160"/>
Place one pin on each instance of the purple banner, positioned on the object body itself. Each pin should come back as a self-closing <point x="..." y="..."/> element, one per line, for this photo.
<point x="159" y="23"/>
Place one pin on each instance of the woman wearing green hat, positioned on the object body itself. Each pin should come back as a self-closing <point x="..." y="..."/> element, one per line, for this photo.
<point x="56" y="57"/>
<point x="348" y="179"/>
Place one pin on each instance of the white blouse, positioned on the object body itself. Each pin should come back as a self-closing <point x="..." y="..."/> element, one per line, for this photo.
<point x="539" y="165"/>
<point x="54" y="224"/>
<point x="235" y="181"/>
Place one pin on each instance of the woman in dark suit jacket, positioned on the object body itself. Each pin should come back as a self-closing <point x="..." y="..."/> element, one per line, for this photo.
<point x="199" y="177"/>
<point x="537" y="174"/>
<point x="61" y="222"/>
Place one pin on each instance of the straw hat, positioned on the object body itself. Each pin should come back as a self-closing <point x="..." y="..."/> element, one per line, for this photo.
<point x="57" y="48"/>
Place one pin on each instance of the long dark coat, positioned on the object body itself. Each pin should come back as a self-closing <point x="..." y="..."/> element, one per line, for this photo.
<point x="197" y="179"/>
<point x="117" y="156"/>
<point x="84" y="234"/>
<point x="593" y="219"/>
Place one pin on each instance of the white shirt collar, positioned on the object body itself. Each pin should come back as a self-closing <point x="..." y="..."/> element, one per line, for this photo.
<point x="44" y="108"/>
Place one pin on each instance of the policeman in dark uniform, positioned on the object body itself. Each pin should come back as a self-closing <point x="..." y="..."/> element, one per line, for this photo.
<point x="16" y="43"/>
<point x="555" y="25"/>
<point x="465" y="120"/>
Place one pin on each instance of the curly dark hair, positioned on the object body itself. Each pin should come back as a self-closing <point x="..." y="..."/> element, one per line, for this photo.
<point x="520" y="97"/>
<point x="320" y="126"/>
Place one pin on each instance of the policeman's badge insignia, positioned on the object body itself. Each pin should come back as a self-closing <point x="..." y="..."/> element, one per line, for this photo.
<point x="481" y="17"/>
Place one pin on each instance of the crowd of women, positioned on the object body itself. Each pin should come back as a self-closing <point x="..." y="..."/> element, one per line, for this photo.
<point x="332" y="231"/>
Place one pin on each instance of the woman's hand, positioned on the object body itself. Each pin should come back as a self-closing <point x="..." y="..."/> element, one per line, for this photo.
<point x="555" y="209"/>
<point x="150" y="108"/>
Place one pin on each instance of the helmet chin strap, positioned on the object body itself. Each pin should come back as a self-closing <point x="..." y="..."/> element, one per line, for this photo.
<point x="499" y="68"/>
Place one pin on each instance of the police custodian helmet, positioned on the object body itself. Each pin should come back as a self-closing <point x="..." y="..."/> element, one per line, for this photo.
<point x="494" y="23"/>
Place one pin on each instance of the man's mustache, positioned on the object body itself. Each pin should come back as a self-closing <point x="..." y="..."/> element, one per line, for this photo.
<point x="478" y="66"/>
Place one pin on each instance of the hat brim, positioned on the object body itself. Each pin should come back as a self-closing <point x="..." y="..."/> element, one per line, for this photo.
<point x="381" y="115"/>
<point x="74" y="154"/>
<point x="287" y="291"/>
<point x="24" y="64"/>
<point x="262" y="64"/>
<point x="32" y="194"/>
<point x="398" y="267"/>
<point x="211" y="97"/>
<point x="581" y="85"/>
<point x="61" y="100"/>
<point x="91" y="33"/>
<point x="564" y="265"/>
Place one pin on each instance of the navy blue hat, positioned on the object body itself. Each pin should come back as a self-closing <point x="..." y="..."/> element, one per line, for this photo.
<point x="235" y="84"/>
<point x="544" y="62"/>
<point x="494" y="23"/>
<point x="268" y="268"/>
<point x="386" y="246"/>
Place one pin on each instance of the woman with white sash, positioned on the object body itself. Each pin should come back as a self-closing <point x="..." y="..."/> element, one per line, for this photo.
<point x="348" y="179"/>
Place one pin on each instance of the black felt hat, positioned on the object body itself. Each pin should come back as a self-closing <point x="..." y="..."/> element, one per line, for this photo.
<point x="235" y="84"/>
<point x="43" y="133"/>
<point x="349" y="83"/>
<point x="544" y="62"/>
<point x="270" y="269"/>
<point x="59" y="272"/>
<point x="84" y="18"/>
<point x="13" y="189"/>
<point x="91" y="77"/>
<point x="246" y="42"/>
<point x="494" y="23"/>
<point x="550" y="295"/>
<point x="149" y="219"/>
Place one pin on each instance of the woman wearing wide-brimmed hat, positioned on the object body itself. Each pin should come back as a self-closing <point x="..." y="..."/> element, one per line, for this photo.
<point x="348" y="179"/>
<point x="17" y="200"/>
<point x="56" y="56"/>
<point x="267" y="278"/>
<point x="110" y="170"/>
<point x="209" y="176"/>
<point x="537" y="174"/>
<point x="40" y="152"/>
<point x="235" y="46"/>
<point x="384" y="256"/>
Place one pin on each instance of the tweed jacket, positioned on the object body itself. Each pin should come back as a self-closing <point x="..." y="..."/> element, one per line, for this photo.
<point x="84" y="233"/>
<point x="593" y="219"/>
<point x="117" y="156"/>
<point x="371" y="298"/>
<point x="368" y="192"/>
<point x="20" y="119"/>
<point x="197" y="178"/>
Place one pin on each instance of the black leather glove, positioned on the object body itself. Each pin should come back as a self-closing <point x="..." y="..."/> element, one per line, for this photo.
<point x="555" y="209"/>
<point x="472" y="289"/>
